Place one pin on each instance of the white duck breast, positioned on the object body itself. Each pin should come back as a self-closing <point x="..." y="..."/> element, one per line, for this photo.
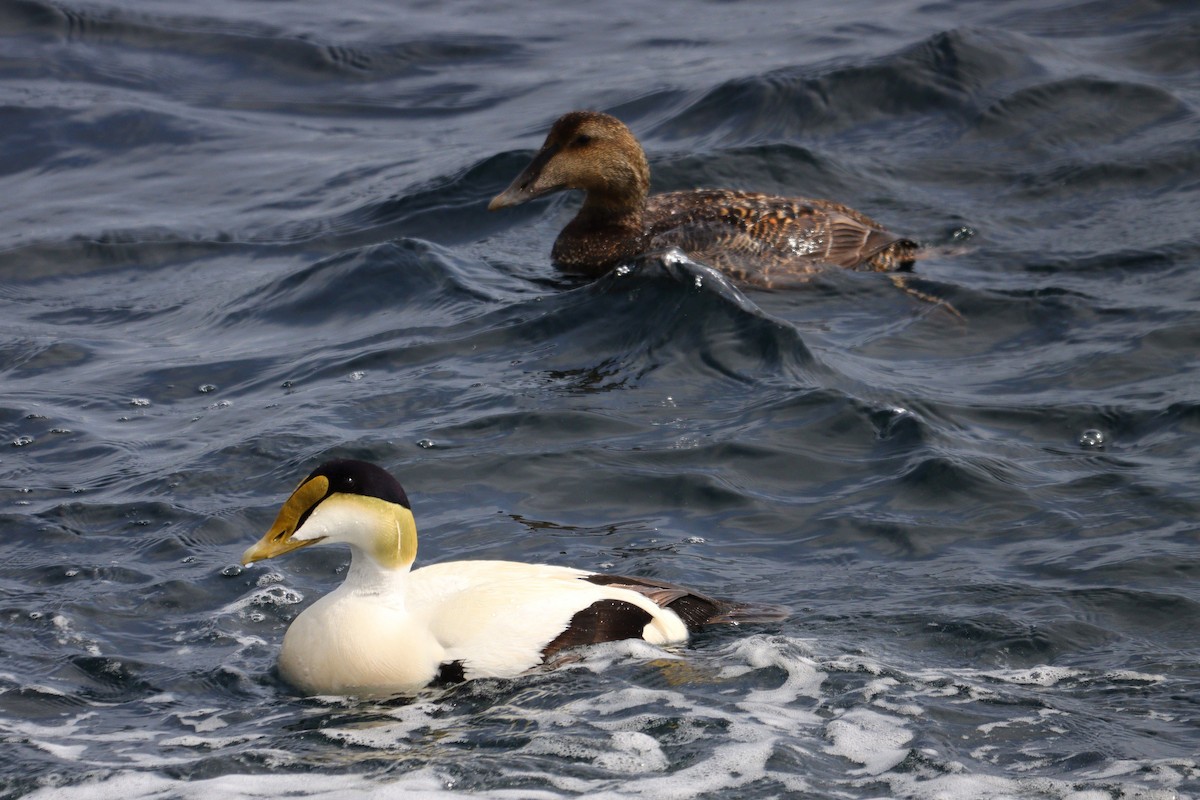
<point x="388" y="630"/>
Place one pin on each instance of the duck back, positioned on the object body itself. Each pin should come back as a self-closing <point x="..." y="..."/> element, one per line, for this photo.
<point x="757" y="238"/>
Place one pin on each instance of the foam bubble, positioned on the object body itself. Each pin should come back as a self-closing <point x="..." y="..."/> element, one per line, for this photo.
<point x="67" y="635"/>
<point x="1036" y="676"/>
<point x="625" y="699"/>
<point x="804" y="678"/>
<point x="208" y="743"/>
<point x="730" y="767"/>
<point x="988" y="727"/>
<point x="202" y="720"/>
<point x="601" y="657"/>
<point x="397" y="731"/>
<point x="624" y="752"/>
<point x="271" y="595"/>
<point x="869" y="738"/>
<point x="1052" y="676"/>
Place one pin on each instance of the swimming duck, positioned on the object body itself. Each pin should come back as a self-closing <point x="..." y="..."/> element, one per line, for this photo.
<point x="753" y="237"/>
<point x="388" y="630"/>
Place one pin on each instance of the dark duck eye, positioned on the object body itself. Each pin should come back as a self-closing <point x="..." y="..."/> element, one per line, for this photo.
<point x="582" y="140"/>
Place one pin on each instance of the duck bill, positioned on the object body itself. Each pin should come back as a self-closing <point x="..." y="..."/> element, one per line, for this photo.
<point x="273" y="543"/>
<point x="280" y="537"/>
<point x="529" y="184"/>
<point x="512" y="196"/>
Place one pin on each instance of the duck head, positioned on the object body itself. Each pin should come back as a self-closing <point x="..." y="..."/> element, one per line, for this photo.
<point x="351" y="502"/>
<point x="585" y="150"/>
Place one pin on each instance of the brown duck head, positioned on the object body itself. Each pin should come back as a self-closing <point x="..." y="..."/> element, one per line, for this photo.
<point x="590" y="151"/>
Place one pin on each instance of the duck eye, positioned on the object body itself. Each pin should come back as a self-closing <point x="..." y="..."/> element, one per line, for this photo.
<point x="581" y="140"/>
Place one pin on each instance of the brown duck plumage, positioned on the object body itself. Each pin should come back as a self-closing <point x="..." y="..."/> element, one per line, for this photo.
<point x="753" y="237"/>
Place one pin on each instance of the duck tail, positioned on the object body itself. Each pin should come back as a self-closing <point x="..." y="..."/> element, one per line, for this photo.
<point x="747" y="614"/>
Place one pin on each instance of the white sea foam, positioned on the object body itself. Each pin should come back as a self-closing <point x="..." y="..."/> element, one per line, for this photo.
<point x="67" y="752"/>
<point x="395" y="735"/>
<point x="962" y="786"/>
<point x="866" y="737"/>
<point x="622" y="752"/>
<point x="698" y="730"/>
<point x="208" y="743"/>
<point x="202" y="720"/>
<point x="732" y="764"/>
<point x="777" y="708"/>
<point x="312" y="786"/>
<point x="1039" y="718"/>
<point x="601" y="657"/>
<point x="271" y="594"/>
<point x="268" y="578"/>
<point x="1052" y="676"/>
<point x="67" y="635"/>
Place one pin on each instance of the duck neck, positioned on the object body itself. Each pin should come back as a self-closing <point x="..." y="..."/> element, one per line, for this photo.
<point x="367" y="576"/>
<point x="607" y="220"/>
<point x="623" y="208"/>
<point x="610" y="227"/>
<point x="620" y="200"/>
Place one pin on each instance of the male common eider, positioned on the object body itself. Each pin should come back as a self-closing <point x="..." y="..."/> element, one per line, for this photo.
<point x="752" y="237"/>
<point x="387" y="630"/>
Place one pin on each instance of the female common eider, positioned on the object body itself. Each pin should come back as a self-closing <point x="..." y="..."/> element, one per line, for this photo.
<point x="753" y="237"/>
<point x="388" y="631"/>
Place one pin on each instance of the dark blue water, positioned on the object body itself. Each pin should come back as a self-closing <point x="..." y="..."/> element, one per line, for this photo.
<point x="236" y="238"/>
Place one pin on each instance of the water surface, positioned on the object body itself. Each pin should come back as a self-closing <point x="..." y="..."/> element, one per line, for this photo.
<point x="239" y="238"/>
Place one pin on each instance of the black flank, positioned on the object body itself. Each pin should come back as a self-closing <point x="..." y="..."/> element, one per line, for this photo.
<point x="449" y="672"/>
<point x="602" y="621"/>
<point x="694" y="609"/>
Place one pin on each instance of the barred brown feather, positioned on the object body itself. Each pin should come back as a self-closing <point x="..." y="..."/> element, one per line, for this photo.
<point x="753" y="237"/>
